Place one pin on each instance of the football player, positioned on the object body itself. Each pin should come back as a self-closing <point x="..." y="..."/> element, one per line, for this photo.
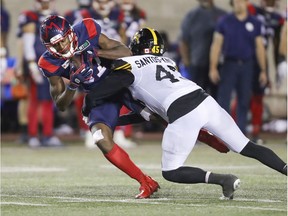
<point x="40" y="104"/>
<point x="155" y="81"/>
<point x="64" y="42"/>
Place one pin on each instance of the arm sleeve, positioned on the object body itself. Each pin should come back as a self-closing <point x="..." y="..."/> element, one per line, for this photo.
<point x="29" y="50"/>
<point x="220" y="26"/>
<point x="259" y="29"/>
<point x="112" y="84"/>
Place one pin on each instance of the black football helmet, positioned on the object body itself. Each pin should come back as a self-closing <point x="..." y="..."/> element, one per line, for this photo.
<point x="147" y="41"/>
<point x="58" y="36"/>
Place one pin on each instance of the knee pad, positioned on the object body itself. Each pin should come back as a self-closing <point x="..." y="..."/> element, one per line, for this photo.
<point x="97" y="136"/>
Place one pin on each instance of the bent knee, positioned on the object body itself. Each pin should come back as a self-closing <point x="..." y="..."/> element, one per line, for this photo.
<point x="102" y="137"/>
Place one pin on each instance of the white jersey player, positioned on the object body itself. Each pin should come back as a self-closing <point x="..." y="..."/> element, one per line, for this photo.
<point x="155" y="81"/>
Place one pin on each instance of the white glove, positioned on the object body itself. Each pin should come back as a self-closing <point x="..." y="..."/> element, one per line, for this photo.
<point x="282" y="70"/>
<point x="35" y="73"/>
<point x="146" y="113"/>
<point x="3" y="67"/>
<point x="86" y="120"/>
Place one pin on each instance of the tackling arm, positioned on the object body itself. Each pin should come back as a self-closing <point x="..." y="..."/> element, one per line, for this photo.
<point x="112" y="49"/>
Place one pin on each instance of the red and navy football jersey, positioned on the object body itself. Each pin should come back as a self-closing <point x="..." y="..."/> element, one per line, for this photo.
<point x="272" y="21"/>
<point x="88" y="32"/>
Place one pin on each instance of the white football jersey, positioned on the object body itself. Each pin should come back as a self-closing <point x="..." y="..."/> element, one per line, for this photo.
<point x="157" y="82"/>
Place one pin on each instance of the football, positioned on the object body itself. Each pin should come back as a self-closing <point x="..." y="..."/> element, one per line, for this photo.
<point x="76" y="60"/>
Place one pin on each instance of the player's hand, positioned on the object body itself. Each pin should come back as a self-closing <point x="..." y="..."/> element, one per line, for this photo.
<point x="214" y="76"/>
<point x="80" y="72"/>
<point x="146" y="114"/>
<point x="80" y="75"/>
<point x="263" y="79"/>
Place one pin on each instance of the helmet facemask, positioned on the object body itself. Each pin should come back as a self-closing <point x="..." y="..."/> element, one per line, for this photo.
<point x="59" y="37"/>
<point x="70" y="45"/>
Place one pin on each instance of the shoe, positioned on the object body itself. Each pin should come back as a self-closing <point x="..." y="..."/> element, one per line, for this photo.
<point x="147" y="188"/>
<point x="34" y="142"/>
<point x="122" y="141"/>
<point x="230" y="184"/>
<point x="52" y="142"/>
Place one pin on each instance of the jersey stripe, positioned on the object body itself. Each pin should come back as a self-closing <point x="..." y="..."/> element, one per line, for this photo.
<point x="46" y="65"/>
<point x="91" y="27"/>
<point x="123" y="66"/>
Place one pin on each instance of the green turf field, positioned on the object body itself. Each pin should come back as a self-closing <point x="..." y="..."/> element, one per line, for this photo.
<point x="74" y="181"/>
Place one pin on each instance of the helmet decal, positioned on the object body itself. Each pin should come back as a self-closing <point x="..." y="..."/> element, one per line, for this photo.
<point x="50" y="27"/>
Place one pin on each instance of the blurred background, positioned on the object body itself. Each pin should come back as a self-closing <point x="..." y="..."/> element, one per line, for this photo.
<point x="161" y="14"/>
<point x="167" y="16"/>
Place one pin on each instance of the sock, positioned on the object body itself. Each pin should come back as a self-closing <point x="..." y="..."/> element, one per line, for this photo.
<point x="47" y="117"/>
<point x="265" y="156"/>
<point x="188" y="175"/>
<point x="119" y="158"/>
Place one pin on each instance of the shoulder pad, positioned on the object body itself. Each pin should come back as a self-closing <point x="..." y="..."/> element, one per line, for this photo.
<point x="91" y="27"/>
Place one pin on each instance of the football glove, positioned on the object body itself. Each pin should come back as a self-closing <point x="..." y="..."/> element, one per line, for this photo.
<point x="79" y="76"/>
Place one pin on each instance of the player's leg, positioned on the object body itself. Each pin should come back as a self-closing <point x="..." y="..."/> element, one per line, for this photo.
<point x="102" y="121"/>
<point x="256" y="108"/>
<point x="122" y="133"/>
<point x="256" y="105"/>
<point x="33" y="117"/>
<point x="223" y="126"/>
<point x="178" y="141"/>
<point x="208" y="138"/>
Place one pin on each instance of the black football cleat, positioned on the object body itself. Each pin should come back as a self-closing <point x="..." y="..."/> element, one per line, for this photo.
<point x="230" y="184"/>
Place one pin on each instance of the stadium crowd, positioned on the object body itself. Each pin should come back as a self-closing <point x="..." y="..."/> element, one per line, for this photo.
<point x="205" y="52"/>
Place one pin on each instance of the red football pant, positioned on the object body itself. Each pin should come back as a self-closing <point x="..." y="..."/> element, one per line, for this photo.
<point x="256" y="108"/>
<point x="40" y="111"/>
